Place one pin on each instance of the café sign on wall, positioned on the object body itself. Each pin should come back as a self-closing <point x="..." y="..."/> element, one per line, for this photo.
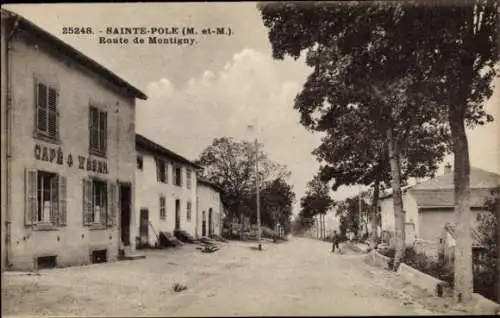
<point x="56" y="155"/>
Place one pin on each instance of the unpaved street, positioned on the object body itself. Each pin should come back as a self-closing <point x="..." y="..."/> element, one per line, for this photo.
<point x="299" y="277"/>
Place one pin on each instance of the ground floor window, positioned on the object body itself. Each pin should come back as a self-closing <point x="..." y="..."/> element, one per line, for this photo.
<point x="99" y="202"/>
<point x="188" y="211"/>
<point x="45" y="198"/>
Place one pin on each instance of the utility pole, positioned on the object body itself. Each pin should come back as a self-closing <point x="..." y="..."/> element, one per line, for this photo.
<point x="257" y="183"/>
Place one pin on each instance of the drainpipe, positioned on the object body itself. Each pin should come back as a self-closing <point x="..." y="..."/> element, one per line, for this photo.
<point x="8" y="116"/>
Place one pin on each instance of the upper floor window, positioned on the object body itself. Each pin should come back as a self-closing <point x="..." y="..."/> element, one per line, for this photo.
<point x="140" y="162"/>
<point x="178" y="176"/>
<point x="161" y="170"/>
<point x="46" y="100"/>
<point x="188" y="179"/>
<point x="98" y="122"/>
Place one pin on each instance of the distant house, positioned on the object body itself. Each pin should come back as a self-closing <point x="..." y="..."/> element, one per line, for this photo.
<point x="429" y="205"/>
<point x="165" y="192"/>
<point x="435" y="201"/>
<point x="210" y="208"/>
<point x="387" y="221"/>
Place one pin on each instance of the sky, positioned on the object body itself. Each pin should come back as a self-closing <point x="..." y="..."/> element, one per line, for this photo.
<point x="220" y="84"/>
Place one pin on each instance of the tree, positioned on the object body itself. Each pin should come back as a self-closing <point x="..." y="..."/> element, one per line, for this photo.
<point x="316" y="200"/>
<point x="231" y="164"/>
<point x="375" y="119"/>
<point x="445" y="53"/>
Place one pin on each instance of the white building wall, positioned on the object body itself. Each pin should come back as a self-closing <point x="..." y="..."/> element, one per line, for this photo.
<point x="387" y="212"/>
<point x="209" y="198"/>
<point x="148" y="193"/>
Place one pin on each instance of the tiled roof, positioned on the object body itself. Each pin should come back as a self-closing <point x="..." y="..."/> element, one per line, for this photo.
<point x="476" y="236"/>
<point x="146" y="143"/>
<point x="205" y="181"/>
<point x="445" y="197"/>
<point x="71" y="52"/>
<point x="479" y="179"/>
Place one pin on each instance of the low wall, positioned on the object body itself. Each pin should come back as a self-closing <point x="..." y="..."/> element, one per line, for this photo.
<point x="479" y="304"/>
<point x="377" y="259"/>
<point x="482" y="305"/>
<point x="428" y="283"/>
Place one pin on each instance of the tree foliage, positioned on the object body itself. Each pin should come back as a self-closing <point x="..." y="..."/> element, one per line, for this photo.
<point x="435" y="63"/>
<point x="316" y="200"/>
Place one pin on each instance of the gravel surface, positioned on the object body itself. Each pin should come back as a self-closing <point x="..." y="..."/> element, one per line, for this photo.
<point x="298" y="277"/>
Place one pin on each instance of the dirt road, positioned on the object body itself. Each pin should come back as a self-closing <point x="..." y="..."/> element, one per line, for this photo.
<point x="299" y="277"/>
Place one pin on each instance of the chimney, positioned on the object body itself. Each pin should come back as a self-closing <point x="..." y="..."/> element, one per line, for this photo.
<point x="447" y="168"/>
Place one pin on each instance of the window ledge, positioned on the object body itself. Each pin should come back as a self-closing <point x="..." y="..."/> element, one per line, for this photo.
<point x="97" y="153"/>
<point x="97" y="227"/>
<point x="45" y="138"/>
<point x="45" y="227"/>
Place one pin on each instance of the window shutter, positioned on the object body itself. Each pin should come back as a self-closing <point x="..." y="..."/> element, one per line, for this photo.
<point x="111" y="215"/>
<point x="157" y="169"/>
<point x="103" y="130"/>
<point x="54" y="200"/>
<point x="87" y="202"/>
<point x="62" y="201"/>
<point x="30" y="202"/>
<point x="41" y="107"/>
<point x="52" y="112"/>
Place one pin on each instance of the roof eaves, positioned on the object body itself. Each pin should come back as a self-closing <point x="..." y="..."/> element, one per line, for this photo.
<point x="75" y="54"/>
<point x="157" y="148"/>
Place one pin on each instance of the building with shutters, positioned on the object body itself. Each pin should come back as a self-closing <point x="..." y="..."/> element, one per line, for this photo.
<point x="166" y="187"/>
<point x="210" y="208"/>
<point x="70" y="152"/>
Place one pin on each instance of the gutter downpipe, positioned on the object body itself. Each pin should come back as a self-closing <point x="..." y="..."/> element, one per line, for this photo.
<point x="8" y="116"/>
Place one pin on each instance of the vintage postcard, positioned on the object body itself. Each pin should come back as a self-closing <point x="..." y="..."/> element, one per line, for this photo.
<point x="250" y="159"/>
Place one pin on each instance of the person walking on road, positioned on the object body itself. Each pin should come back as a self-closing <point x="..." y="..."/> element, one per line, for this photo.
<point x="335" y="242"/>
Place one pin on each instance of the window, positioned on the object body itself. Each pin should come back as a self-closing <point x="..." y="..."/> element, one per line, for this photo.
<point x="98" y="122"/>
<point x="188" y="211"/>
<point x="188" y="177"/>
<point x="46" y="99"/>
<point x="45" y="198"/>
<point x="178" y="176"/>
<point x="99" y="202"/>
<point x="162" y="208"/>
<point x="161" y="170"/>
<point x="140" y="162"/>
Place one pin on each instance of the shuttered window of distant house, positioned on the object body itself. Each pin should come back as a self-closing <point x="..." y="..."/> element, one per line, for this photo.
<point x="188" y="211"/>
<point x="163" y="213"/>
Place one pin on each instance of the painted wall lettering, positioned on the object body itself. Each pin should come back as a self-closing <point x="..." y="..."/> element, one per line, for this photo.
<point x="56" y="155"/>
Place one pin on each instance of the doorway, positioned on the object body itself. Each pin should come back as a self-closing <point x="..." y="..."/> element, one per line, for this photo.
<point x="204" y="225"/>
<point x="210" y="229"/>
<point x="177" y="214"/>
<point x="125" y="215"/>
<point x="144" y="228"/>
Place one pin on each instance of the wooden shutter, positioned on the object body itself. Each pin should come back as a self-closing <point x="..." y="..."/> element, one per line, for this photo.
<point x="157" y="162"/>
<point x="87" y="209"/>
<point x="52" y="112"/>
<point x="103" y="127"/>
<point x="41" y="107"/>
<point x="62" y="201"/>
<point x="54" y="199"/>
<point x="111" y="215"/>
<point x="30" y="207"/>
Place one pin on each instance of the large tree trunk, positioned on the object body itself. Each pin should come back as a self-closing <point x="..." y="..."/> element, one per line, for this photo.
<point x="397" y="197"/>
<point x="374" y="210"/>
<point x="463" y="248"/>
